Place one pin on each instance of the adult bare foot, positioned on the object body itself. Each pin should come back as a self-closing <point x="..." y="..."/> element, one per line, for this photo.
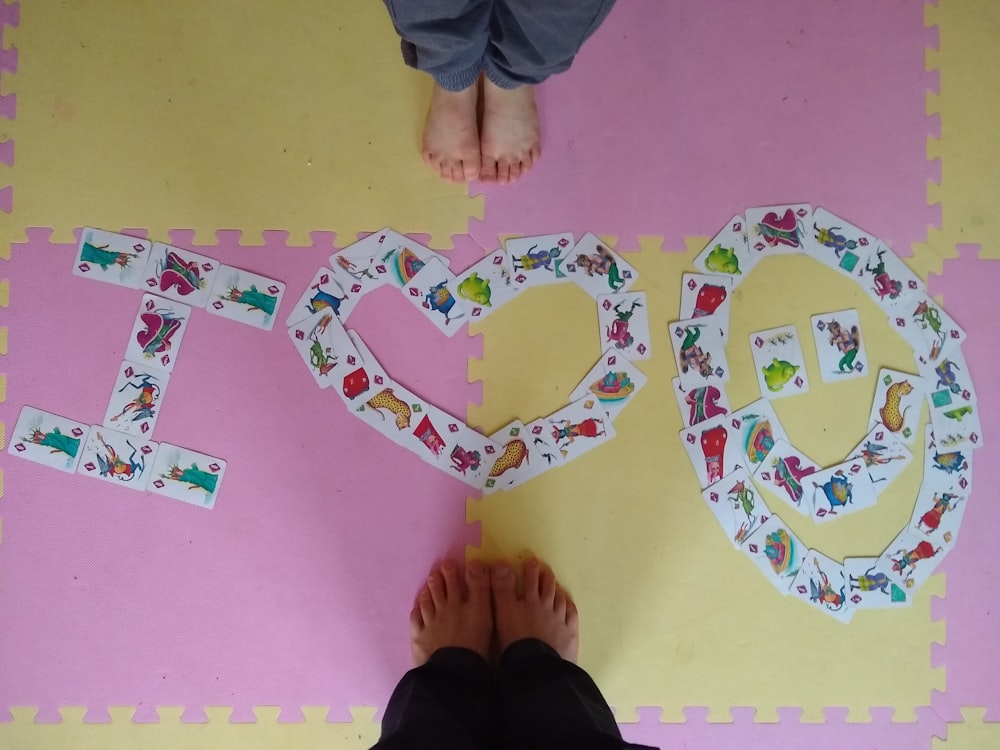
<point x="444" y="617"/>
<point x="544" y="612"/>
<point x="511" y="139"/>
<point x="451" y="135"/>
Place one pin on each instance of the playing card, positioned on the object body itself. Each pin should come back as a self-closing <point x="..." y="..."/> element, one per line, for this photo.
<point x="428" y="292"/>
<point x="468" y="455"/>
<point x="949" y="383"/>
<point x="543" y="451"/>
<point x="841" y="490"/>
<point x="822" y="583"/>
<point x="393" y="411"/>
<point x="736" y="505"/>
<point x="959" y="426"/>
<point x="786" y="472"/>
<point x="246" y="297"/>
<point x="136" y="399"/>
<point x="700" y="403"/>
<point x="578" y="427"/>
<point x="937" y="514"/>
<point x="946" y="466"/>
<point x="886" y="279"/>
<point x="777" y="552"/>
<point x="705" y="294"/>
<point x="429" y="430"/>
<point x="535" y="261"/>
<point x="869" y="585"/>
<point x="510" y="467"/>
<point x="323" y="293"/>
<point x="179" y="274"/>
<point x="778" y="362"/>
<point x="157" y="332"/>
<point x="48" y="439"/>
<point x="399" y="259"/>
<point x="186" y="475"/>
<point x="614" y="380"/>
<point x="623" y="320"/>
<point x="925" y="325"/>
<point x="713" y="448"/>
<point x="884" y="456"/>
<point x="114" y="258"/>
<point x="898" y="401"/>
<point x="356" y="276"/>
<point x="485" y="287"/>
<point x="837" y="243"/>
<point x="598" y="269"/>
<point x="699" y="352"/>
<point x="365" y="380"/>
<point x="325" y="348"/>
<point x="911" y="559"/>
<point x="755" y="429"/>
<point x="840" y="347"/>
<point x="778" y="230"/>
<point x="118" y="458"/>
<point x="728" y="254"/>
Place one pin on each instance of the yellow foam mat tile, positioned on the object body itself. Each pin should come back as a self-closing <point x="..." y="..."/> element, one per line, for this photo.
<point x="672" y="615"/>
<point x="215" y="734"/>
<point x="969" y="109"/>
<point x="974" y="733"/>
<point x="235" y="113"/>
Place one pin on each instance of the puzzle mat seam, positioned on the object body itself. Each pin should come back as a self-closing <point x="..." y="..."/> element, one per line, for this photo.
<point x="10" y="15"/>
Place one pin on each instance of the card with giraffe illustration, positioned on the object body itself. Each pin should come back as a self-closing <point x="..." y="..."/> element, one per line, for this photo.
<point x="246" y="297"/>
<point x="598" y="269"/>
<point x="840" y="347"/>
<point x="776" y="552"/>
<point x="736" y="505"/>
<point x="623" y="320"/>
<point x="727" y="254"/>
<point x="898" y="402"/>
<point x="822" y="583"/>
<point x="48" y="439"/>
<point x="778" y="362"/>
<point x="186" y="475"/>
<point x="778" y="230"/>
<point x="115" y="258"/>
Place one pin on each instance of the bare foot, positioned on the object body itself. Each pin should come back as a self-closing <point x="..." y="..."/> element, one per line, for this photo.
<point x="451" y="137"/>
<point x="544" y="612"/>
<point x="511" y="137"/>
<point x="444" y="617"/>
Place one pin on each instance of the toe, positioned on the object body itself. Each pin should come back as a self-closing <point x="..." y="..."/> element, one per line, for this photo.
<point x="559" y="604"/>
<point x="416" y="621"/>
<point x="503" y="172"/>
<point x="435" y="584"/>
<point x="515" y="171"/>
<point x="488" y="172"/>
<point x="532" y="570"/>
<point x="425" y="603"/>
<point x="449" y="571"/>
<point x="502" y="583"/>
<point x="547" y="592"/>
<point x="477" y="581"/>
<point x="572" y="614"/>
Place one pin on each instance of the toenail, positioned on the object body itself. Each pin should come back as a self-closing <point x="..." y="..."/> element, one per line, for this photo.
<point x="502" y="570"/>
<point x="448" y="566"/>
<point x="432" y="579"/>
<point x="476" y="570"/>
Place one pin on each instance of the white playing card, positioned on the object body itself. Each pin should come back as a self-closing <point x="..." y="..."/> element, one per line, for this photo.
<point x="946" y="466"/>
<point x="535" y="261"/>
<point x="776" y="552"/>
<point x="925" y="325"/>
<point x="136" y="399"/>
<point x="114" y="258"/>
<point x="485" y="287"/>
<point x="157" y="332"/>
<point x="707" y="294"/>
<point x="511" y="466"/>
<point x="736" y="505"/>
<point x="898" y="402"/>
<point x="623" y="321"/>
<point x="837" y="243"/>
<point x="778" y="230"/>
<point x="884" y="455"/>
<point x="841" y="490"/>
<point x="701" y="403"/>
<point x="755" y="429"/>
<point x="614" y="380"/>
<point x="728" y="254"/>
<point x="886" y="279"/>
<point x="959" y="426"/>
<point x="910" y="559"/>
<point x="428" y="292"/>
<point x="822" y="583"/>
<point x="869" y="585"/>
<point x="365" y="380"/>
<point x="323" y="293"/>
<point x="468" y="455"/>
<point x="786" y="472"/>
<point x="949" y="382"/>
<point x="778" y="362"/>
<point x="713" y="448"/>
<point x="48" y="439"/>
<point x="246" y="297"/>
<point x="395" y="412"/>
<point x="937" y="514"/>
<point x="356" y="276"/>
<point x="186" y="475"/>
<point x="542" y="447"/>
<point x="399" y="259"/>
<point x="579" y="427"/>
<point x="597" y="268"/>
<point x="118" y="458"/>
<point x="429" y="434"/>
<point x="179" y="274"/>
<point x="325" y="348"/>
<point x="840" y="347"/>
<point x="699" y="352"/>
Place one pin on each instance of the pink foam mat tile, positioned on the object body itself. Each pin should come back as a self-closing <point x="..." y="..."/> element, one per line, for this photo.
<point x="295" y="590"/>
<point x="967" y="287"/>
<point x="675" y="116"/>
<point x="835" y="733"/>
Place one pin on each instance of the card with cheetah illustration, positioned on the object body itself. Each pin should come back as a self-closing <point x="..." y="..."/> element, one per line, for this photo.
<point x="899" y="399"/>
<point x="840" y="347"/>
<point x="778" y="362"/>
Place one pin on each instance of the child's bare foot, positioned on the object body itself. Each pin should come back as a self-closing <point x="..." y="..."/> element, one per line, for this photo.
<point x="451" y="136"/>
<point x="444" y="617"/>
<point x="544" y="612"/>
<point x="511" y="137"/>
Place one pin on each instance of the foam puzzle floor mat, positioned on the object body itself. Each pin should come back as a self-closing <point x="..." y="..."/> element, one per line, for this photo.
<point x="279" y="617"/>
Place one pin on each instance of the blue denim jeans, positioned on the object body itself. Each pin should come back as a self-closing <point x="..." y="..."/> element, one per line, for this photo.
<point x="513" y="42"/>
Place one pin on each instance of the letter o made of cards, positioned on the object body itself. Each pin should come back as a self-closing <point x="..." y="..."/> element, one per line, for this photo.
<point x="738" y="452"/>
